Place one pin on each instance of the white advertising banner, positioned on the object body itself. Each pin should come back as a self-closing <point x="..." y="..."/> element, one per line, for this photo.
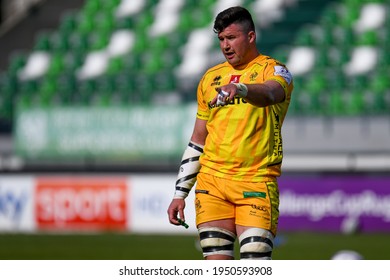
<point x="149" y="197"/>
<point x="136" y="203"/>
<point x="17" y="203"/>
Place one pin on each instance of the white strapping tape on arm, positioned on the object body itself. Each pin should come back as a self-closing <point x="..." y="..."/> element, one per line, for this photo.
<point x="242" y="89"/>
<point x="188" y="171"/>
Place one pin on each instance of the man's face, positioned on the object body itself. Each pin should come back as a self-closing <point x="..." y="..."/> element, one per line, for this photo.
<point x="235" y="44"/>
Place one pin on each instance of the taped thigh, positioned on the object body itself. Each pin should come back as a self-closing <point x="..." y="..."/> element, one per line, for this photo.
<point x="216" y="241"/>
<point x="256" y="243"/>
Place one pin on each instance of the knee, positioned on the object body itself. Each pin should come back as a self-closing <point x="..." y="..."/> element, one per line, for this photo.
<point x="256" y="243"/>
<point x="216" y="241"/>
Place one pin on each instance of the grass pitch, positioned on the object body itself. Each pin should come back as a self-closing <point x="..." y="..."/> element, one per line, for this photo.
<point x="113" y="246"/>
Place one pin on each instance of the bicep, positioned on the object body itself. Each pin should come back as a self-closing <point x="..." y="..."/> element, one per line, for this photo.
<point x="276" y="90"/>
<point x="268" y="93"/>
<point x="200" y="132"/>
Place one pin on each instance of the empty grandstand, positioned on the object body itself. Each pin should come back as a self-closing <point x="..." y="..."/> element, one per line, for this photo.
<point x="65" y="82"/>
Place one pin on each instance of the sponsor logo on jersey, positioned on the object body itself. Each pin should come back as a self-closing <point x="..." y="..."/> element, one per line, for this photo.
<point x="216" y="81"/>
<point x="235" y="78"/>
<point x="236" y="100"/>
<point x="253" y="76"/>
<point x="283" y="72"/>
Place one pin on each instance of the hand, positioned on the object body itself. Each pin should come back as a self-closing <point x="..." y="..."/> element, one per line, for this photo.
<point x="231" y="89"/>
<point x="176" y="208"/>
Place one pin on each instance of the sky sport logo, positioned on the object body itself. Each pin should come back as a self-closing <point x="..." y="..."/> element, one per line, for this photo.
<point x="81" y="203"/>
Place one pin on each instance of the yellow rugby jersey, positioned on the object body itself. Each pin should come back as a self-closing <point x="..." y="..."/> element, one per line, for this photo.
<point x="244" y="141"/>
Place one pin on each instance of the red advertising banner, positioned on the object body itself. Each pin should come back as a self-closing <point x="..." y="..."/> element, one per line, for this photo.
<point x="84" y="203"/>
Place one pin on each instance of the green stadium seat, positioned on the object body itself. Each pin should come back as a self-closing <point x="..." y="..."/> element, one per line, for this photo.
<point x="125" y="83"/>
<point x="185" y="22"/>
<point x="57" y="65"/>
<point x="79" y="43"/>
<point x="6" y="107"/>
<point x="9" y="84"/>
<point x="344" y="37"/>
<point x="85" y="24"/>
<point x="98" y="40"/>
<point x="368" y="38"/>
<point x="124" y="23"/>
<point x="24" y="101"/>
<point x="337" y="80"/>
<point x="104" y="99"/>
<point x="356" y="103"/>
<point x="104" y="22"/>
<point x="46" y="99"/>
<point x="144" y="21"/>
<point x="86" y="89"/>
<point x="323" y="57"/>
<point x="330" y="16"/>
<point x="91" y="8"/>
<point x="306" y="37"/>
<point x="141" y="42"/>
<point x="325" y="37"/>
<point x="8" y="87"/>
<point x="59" y="42"/>
<point x="144" y="88"/>
<point x="107" y="83"/>
<point x="152" y="63"/>
<point x="164" y="81"/>
<point x="17" y="61"/>
<point x="48" y="87"/>
<point x="384" y="60"/>
<point x="380" y="82"/>
<point x="358" y="83"/>
<point x="316" y="83"/>
<point x="115" y="65"/>
<point x="109" y="5"/>
<point x="67" y="87"/>
<point x="351" y="13"/>
<point x="335" y="104"/>
<point x="132" y="63"/>
<point x="42" y="41"/>
<point x="29" y="87"/>
<point x="68" y="23"/>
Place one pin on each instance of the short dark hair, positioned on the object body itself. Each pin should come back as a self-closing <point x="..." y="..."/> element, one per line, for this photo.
<point x="232" y="15"/>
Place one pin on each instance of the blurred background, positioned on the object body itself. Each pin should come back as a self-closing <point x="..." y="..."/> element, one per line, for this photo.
<point x="98" y="100"/>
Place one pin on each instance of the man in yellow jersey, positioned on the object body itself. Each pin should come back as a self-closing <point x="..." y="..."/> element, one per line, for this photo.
<point x="235" y="151"/>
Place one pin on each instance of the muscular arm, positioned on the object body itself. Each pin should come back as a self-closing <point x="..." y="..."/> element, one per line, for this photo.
<point x="200" y="132"/>
<point x="260" y="95"/>
<point x="188" y="169"/>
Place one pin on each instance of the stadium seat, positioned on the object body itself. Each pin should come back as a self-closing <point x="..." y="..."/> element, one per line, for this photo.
<point x="59" y="42"/>
<point x="67" y="87"/>
<point x="56" y="66"/>
<point x="42" y="41"/>
<point x="121" y="43"/>
<point x="79" y="43"/>
<point x="16" y="62"/>
<point x="355" y="104"/>
<point x="68" y="23"/>
<point x="335" y="104"/>
<point x="167" y="15"/>
<point x="115" y="66"/>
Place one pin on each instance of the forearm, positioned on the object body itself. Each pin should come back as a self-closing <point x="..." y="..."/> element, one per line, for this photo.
<point x="259" y="95"/>
<point x="189" y="168"/>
